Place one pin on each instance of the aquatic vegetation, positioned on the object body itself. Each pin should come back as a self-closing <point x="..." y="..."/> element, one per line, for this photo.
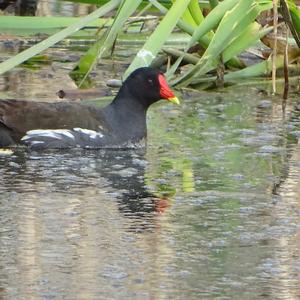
<point x="218" y="33"/>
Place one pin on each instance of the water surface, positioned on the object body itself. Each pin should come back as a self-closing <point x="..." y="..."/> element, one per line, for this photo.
<point x="210" y="210"/>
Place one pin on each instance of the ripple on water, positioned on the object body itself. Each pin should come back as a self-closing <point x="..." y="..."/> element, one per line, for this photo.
<point x="196" y="217"/>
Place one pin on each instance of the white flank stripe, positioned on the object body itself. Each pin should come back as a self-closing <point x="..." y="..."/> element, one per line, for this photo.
<point x="36" y="142"/>
<point x="91" y="133"/>
<point x="51" y="133"/>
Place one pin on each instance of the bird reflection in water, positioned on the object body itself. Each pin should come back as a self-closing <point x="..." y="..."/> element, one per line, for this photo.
<point x="126" y="173"/>
<point x="120" y="174"/>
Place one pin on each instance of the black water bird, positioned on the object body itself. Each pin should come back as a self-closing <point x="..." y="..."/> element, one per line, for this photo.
<point x="121" y="124"/>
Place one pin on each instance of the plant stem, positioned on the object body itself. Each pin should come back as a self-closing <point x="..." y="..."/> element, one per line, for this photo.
<point x="286" y="71"/>
<point x="288" y="20"/>
<point x="275" y="23"/>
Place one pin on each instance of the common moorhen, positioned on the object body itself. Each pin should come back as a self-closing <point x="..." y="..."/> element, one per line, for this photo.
<point x="121" y="124"/>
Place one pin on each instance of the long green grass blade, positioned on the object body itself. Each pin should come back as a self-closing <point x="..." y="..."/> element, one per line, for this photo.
<point x="23" y="56"/>
<point x="295" y="14"/>
<point x="196" y="12"/>
<point x="15" y="22"/>
<point x="293" y="18"/>
<point x="232" y="24"/>
<point x="155" y="42"/>
<point x="28" y="26"/>
<point x="95" y="53"/>
<point x="263" y="68"/>
<point x="230" y="27"/>
<point x="181" y="24"/>
<point x="249" y="37"/>
<point x="203" y="41"/>
<point x="187" y="17"/>
<point x="210" y="22"/>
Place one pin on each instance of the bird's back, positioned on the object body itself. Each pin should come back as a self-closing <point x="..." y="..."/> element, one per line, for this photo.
<point x="18" y="117"/>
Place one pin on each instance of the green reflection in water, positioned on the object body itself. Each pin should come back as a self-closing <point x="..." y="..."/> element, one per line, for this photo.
<point x="223" y="143"/>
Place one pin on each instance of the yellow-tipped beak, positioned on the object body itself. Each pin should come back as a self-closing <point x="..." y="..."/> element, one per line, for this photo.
<point x="174" y="100"/>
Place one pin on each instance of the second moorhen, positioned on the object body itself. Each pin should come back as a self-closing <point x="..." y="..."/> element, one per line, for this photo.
<point x="121" y="124"/>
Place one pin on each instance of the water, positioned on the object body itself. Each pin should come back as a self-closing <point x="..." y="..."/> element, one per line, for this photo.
<point x="210" y="211"/>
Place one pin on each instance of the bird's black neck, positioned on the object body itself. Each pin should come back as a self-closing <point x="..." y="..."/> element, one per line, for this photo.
<point x="127" y="116"/>
<point x="129" y="99"/>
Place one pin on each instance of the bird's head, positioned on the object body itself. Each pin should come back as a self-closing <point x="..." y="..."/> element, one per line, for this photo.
<point x="148" y="85"/>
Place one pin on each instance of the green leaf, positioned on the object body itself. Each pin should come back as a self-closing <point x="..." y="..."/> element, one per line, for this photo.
<point x="23" y="56"/>
<point x="231" y="26"/>
<point x="181" y="24"/>
<point x="196" y="12"/>
<point x="105" y="43"/>
<point x="203" y="41"/>
<point x="295" y="14"/>
<point x="33" y="23"/>
<point x="263" y="68"/>
<point x="293" y="20"/>
<point x="210" y="22"/>
<point x="250" y="36"/>
<point x="259" y="69"/>
<point x="155" y="42"/>
<point x="187" y="17"/>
